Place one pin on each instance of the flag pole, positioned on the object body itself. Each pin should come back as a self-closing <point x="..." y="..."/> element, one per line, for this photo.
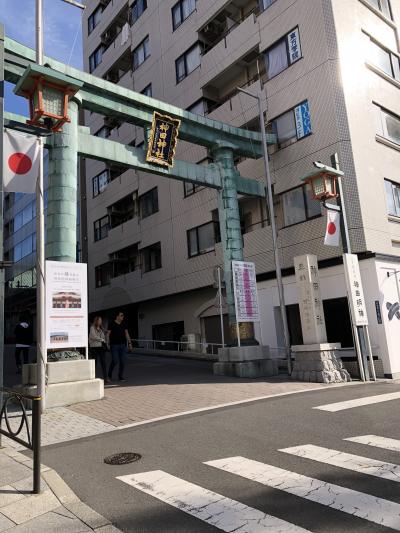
<point x="41" y="354"/>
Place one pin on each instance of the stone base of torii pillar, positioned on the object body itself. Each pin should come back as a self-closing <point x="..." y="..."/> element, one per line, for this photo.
<point x="245" y="362"/>
<point x="318" y="363"/>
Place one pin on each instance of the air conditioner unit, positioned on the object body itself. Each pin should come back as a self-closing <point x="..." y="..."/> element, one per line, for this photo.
<point x="111" y="122"/>
<point x="192" y="342"/>
<point x="107" y="38"/>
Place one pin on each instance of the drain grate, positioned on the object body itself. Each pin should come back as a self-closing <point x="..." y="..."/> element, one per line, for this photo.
<point x="122" y="458"/>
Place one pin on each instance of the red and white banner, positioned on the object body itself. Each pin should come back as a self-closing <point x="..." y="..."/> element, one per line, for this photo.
<point x="332" y="234"/>
<point x="20" y="162"/>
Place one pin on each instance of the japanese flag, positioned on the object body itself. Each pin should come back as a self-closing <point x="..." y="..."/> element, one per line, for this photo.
<point x="20" y="162"/>
<point x="332" y="233"/>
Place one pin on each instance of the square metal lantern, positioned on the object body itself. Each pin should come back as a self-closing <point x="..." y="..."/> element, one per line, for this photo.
<point x="48" y="92"/>
<point x="323" y="182"/>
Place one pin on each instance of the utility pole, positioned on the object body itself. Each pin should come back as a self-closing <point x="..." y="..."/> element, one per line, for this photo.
<point x="278" y="270"/>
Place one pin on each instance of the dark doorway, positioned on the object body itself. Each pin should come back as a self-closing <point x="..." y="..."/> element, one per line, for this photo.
<point x="338" y="325"/>
<point x="337" y="319"/>
<point x="212" y="329"/>
<point x="171" y="331"/>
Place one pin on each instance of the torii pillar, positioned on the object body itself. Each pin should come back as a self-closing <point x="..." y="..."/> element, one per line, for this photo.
<point x="244" y="361"/>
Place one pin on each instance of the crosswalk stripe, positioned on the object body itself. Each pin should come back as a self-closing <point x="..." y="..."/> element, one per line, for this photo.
<point x="358" y="402"/>
<point x="215" y="509"/>
<point x="379" y="442"/>
<point x="371" y="508"/>
<point x="356" y="463"/>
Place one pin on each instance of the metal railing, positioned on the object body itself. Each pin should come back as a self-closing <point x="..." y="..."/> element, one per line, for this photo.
<point x="210" y="348"/>
<point x="11" y="397"/>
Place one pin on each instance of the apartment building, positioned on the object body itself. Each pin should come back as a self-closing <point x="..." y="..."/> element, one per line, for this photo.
<point x="330" y="73"/>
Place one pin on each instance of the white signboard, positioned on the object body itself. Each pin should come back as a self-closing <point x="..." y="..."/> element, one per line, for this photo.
<point x="355" y="291"/>
<point x="66" y="305"/>
<point x="310" y="302"/>
<point x="245" y="291"/>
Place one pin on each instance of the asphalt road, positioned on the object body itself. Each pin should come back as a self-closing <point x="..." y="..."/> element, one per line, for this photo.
<point x="254" y="431"/>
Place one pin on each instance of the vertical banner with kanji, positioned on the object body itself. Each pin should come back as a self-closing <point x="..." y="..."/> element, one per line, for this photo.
<point x="245" y="291"/>
<point x="355" y="291"/>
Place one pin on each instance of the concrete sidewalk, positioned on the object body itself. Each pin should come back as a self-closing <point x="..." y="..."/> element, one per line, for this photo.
<point x="56" y="509"/>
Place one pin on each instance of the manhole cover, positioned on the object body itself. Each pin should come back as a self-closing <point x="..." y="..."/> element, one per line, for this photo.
<point x="122" y="458"/>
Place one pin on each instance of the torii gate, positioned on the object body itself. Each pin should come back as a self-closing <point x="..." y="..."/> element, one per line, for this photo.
<point x="106" y="98"/>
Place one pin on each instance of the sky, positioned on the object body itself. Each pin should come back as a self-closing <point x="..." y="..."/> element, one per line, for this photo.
<point x="62" y="36"/>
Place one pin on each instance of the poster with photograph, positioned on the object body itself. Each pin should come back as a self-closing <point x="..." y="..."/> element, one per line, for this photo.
<point x="66" y="305"/>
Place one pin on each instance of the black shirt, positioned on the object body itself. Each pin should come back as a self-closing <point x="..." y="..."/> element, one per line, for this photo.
<point x="117" y="333"/>
<point x="23" y="335"/>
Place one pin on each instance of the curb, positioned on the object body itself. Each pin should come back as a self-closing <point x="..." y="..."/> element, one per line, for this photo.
<point x="65" y="495"/>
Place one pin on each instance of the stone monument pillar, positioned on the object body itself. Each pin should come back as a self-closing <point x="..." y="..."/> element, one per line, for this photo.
<point x="315" y="360"/>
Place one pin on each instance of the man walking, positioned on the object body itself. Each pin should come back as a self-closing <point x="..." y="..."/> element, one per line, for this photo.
<point x="23" y="340"/>
<point x="118" y="336"/>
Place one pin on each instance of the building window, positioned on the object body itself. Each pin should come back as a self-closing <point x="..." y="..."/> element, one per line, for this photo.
<point x="388" y="125"/>
<point x="292" y="125"/>
<point x="199" y="108"/>
<point x="147" y="91"/>
<point x="299" y="205"/>
<point x="24" y="248"/>
<point x="125" y="260"/>
<point x="384" y="60"/>
<point x="383" y="6"/>
<point x="141" y="53"/>
<point x="123" y="210"/>
<point x="190" y="188"/>
<point x="264" y="4"/>
<point x="148" y="203"/>
<point x="26" y="215"/>
<point x="136" y="11"/>
<point x="393" y="198"/>
<point x="151" y="257"/>
<point x="283" y="53"/>
<point x="94" y="19"/>
<point x="187" y="62"/>
<point x="201" y="240"/>
<point x="101" y="228"/>
<point x="181" y="11"/>
<point x="103" y="132"/>
<point x="102" y="275"/>
<point x="100" y="182"/>
<point x="95" y="58"/>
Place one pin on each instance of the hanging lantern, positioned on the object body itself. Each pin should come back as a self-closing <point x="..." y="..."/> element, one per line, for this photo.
<point x="48" y="93"/>
<point x="323" y="182"/>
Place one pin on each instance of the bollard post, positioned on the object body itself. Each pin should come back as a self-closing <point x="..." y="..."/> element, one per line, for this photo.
<point x="36" y="444"/>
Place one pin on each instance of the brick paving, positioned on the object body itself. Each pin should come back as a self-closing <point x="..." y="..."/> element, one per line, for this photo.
<point x="158" y="387"/>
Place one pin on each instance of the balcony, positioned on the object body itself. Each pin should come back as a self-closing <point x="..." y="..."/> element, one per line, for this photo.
<point x="234" y="46"/>
<point x="236" y="108"/>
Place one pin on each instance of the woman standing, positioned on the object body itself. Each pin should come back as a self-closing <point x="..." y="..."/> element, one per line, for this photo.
<point x="97" y="345"/>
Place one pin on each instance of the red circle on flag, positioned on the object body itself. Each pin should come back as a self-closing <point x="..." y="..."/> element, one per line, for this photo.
<point x="19" y="163"/>
<point x="331" y="228"/>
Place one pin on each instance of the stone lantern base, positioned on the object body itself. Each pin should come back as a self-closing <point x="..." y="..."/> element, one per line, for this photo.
<point x="318" y="363"/>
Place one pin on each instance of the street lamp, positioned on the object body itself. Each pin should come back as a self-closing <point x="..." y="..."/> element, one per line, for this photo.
<point x="323" y="181"/>
<point x="48" y="93"/>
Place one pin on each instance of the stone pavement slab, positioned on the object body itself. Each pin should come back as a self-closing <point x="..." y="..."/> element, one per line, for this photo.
<point x="55" y="510"/>
<point x="158" y="387"/>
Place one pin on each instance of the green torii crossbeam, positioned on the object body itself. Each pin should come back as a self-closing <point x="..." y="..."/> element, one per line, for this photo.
<point x="224" y="141"/>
